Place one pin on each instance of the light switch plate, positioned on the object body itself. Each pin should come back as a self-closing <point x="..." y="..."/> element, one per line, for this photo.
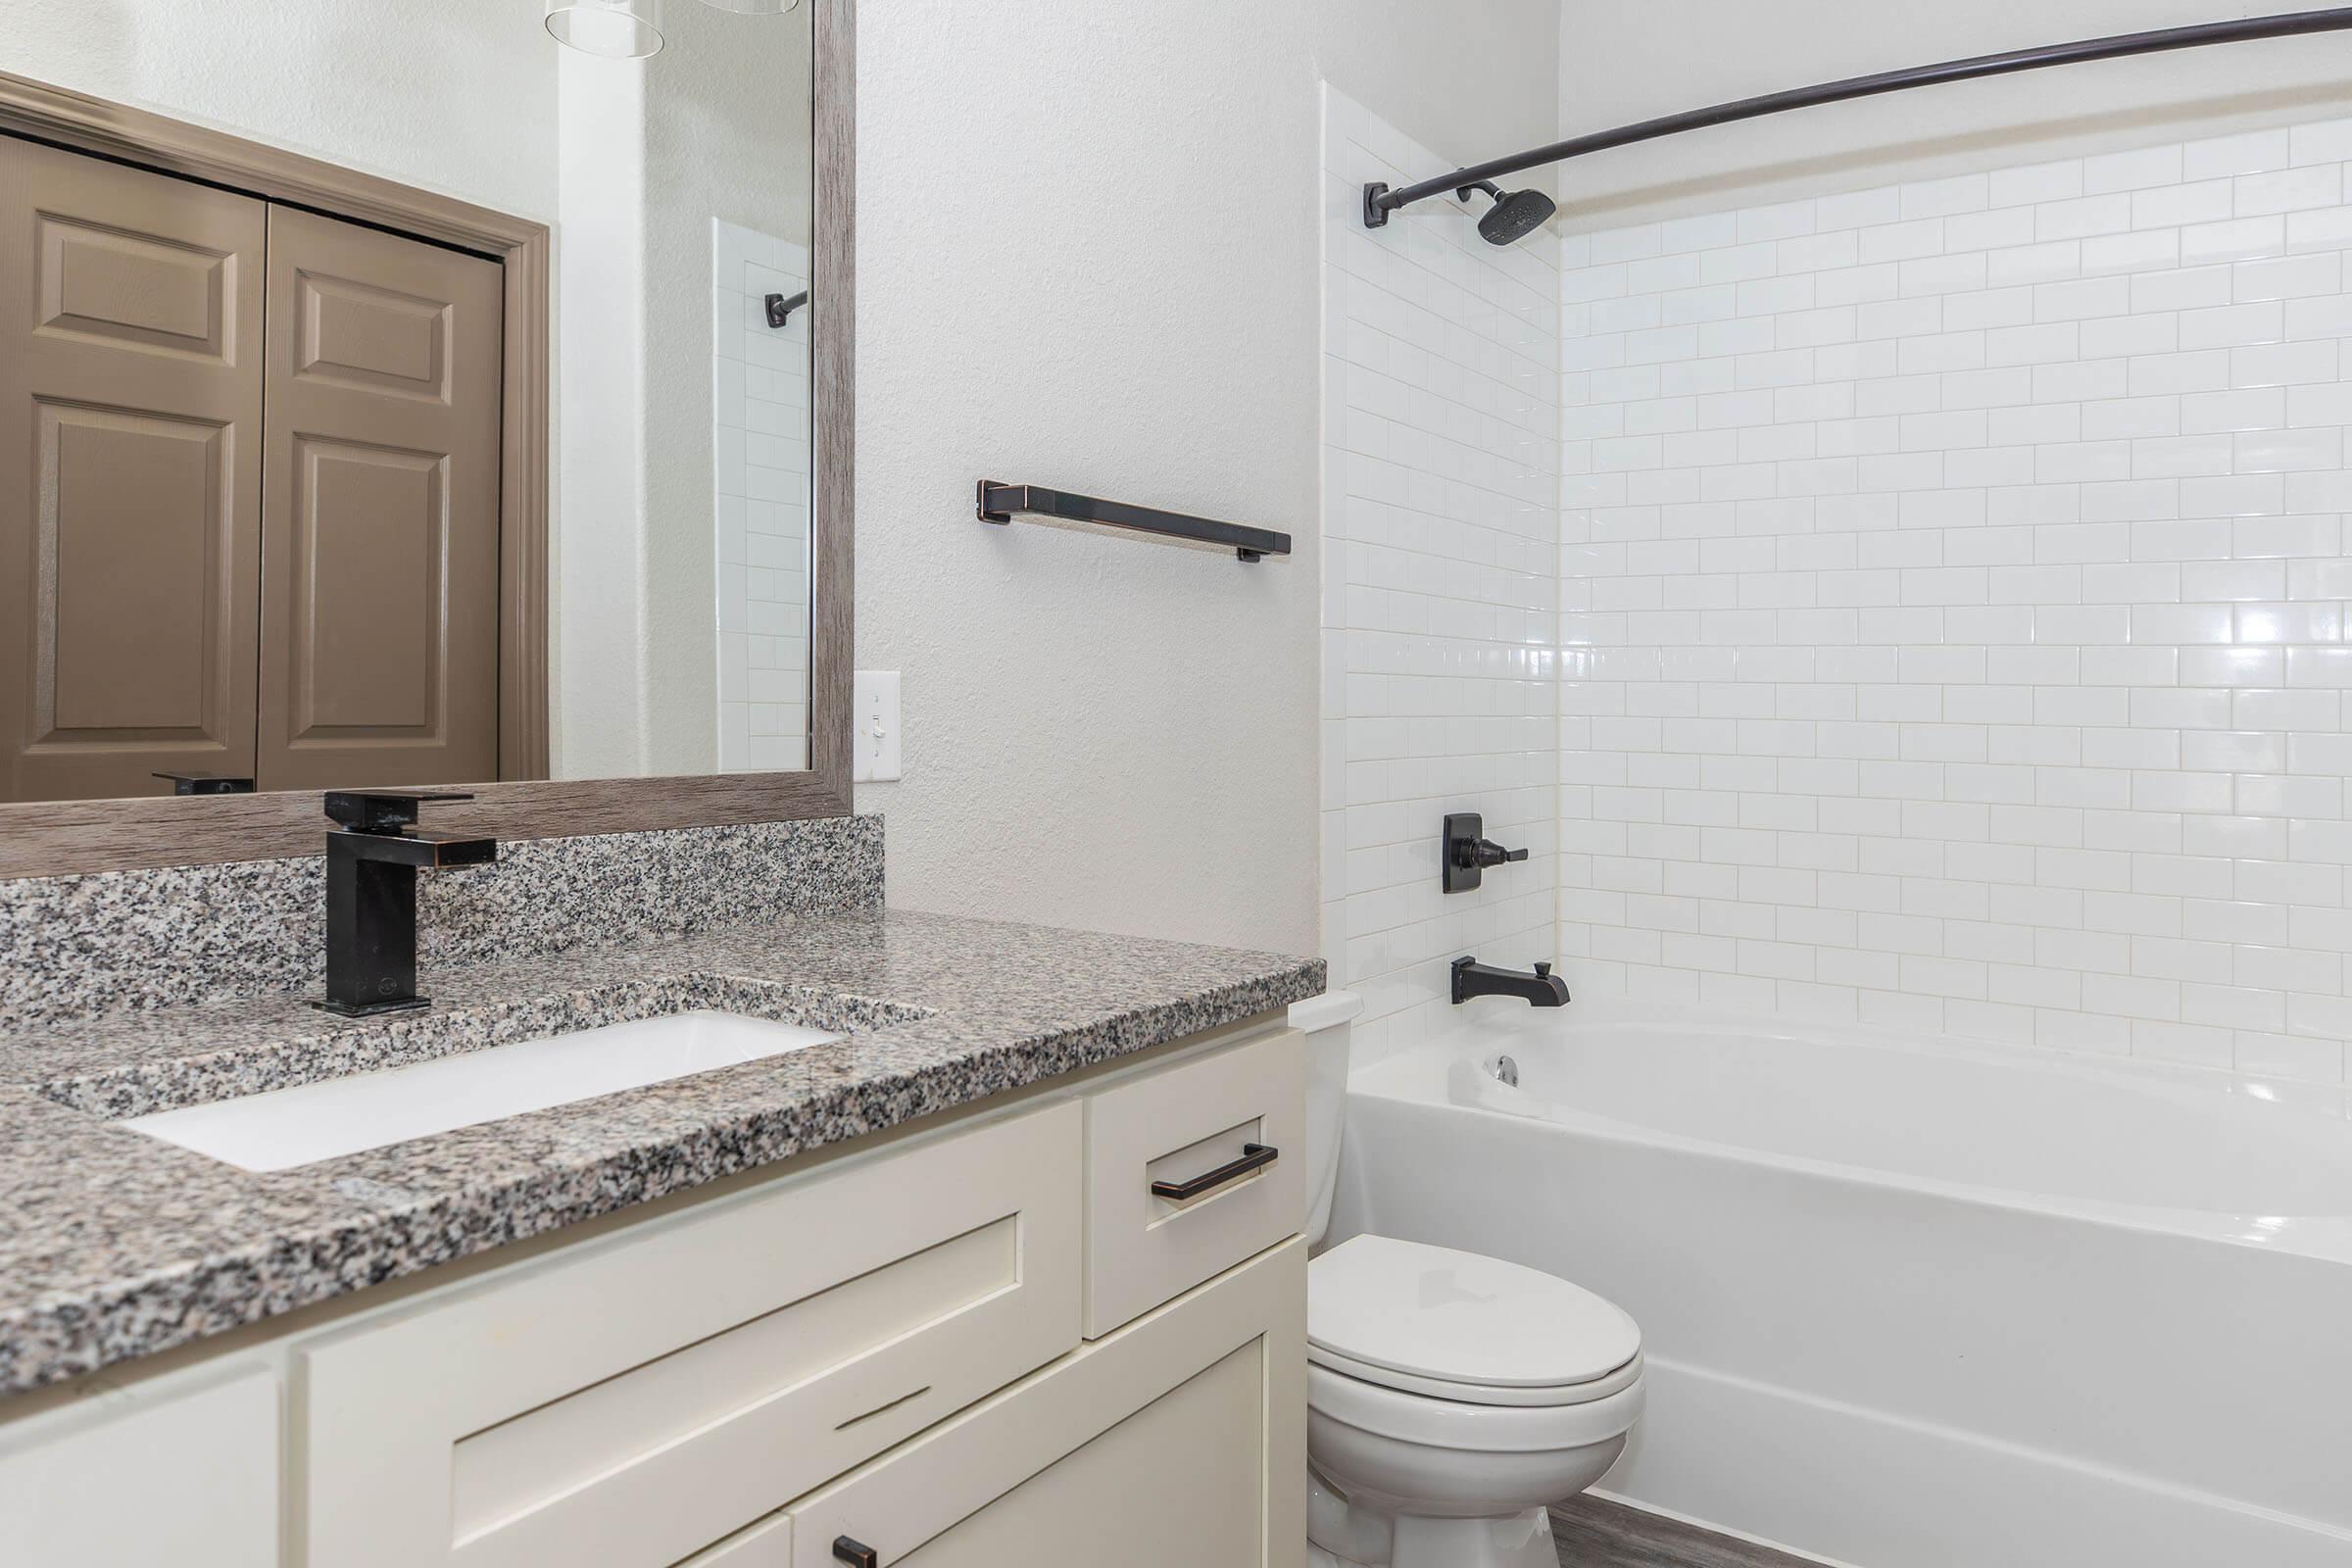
<point x="876" y="737"/>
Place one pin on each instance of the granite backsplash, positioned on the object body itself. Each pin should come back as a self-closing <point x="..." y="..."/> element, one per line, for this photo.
<point x="73" y="947"/>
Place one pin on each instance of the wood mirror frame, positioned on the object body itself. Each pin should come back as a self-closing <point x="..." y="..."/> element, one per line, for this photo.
<point x="57" y="838"/>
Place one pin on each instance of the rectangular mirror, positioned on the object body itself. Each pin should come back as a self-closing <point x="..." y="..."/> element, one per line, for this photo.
<point x="454" y="395"/>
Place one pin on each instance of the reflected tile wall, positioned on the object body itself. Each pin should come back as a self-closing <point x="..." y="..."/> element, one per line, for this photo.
<point x="761" y="404"/>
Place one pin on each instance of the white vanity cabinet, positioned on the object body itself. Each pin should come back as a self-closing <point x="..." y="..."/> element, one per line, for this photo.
<point x="995" y="1341"/>
<point x="624" y="1408"/>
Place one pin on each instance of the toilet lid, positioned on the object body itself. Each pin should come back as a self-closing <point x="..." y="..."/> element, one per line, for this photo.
<point x="1436" y="1315"/>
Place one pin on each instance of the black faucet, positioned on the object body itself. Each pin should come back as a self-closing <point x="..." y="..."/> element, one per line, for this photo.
<point x="205" y="783"/>
<point x="1543" y="989"/>
<point x="371" y="865"/>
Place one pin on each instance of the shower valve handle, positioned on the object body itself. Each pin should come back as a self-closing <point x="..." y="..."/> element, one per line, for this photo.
<point x="1469" y="852"/>
<point x="1485" y="852"/>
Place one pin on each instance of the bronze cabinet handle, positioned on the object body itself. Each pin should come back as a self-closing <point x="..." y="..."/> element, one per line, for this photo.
<point x="857" y="1553"/>
<point x="1254" y="1157"/>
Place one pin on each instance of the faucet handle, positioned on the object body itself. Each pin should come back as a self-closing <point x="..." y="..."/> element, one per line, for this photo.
<point x="382" y="810"/>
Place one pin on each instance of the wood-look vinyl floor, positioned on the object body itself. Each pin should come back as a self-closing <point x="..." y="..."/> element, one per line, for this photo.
<point x="1591" y="1532"/>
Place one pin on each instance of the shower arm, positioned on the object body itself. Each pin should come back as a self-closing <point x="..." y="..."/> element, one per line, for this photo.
<point x="1380" y="201"/>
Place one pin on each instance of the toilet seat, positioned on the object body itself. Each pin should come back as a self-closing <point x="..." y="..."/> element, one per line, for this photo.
<point x="1540" y="1396"/>
<point x="1432" y="1323"/>
<point x="1455" y="1424"/>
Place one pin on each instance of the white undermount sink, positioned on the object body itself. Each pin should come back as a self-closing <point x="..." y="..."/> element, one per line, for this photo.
<point x="287" y="1127"/>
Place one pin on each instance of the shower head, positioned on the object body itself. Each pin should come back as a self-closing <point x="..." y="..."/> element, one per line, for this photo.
<point x="1515" y="214"/>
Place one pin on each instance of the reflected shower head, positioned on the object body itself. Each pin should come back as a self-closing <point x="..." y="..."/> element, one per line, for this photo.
<point x="1515" y="214"/>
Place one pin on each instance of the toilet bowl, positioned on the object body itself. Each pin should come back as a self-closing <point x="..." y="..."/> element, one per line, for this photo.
<point x="1450" y="1396"/>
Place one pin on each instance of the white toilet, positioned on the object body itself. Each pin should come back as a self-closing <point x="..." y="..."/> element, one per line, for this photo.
<point x="1449" y="1395"/>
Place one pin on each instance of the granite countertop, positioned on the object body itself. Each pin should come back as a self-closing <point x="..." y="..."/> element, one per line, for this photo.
<point x="115" y="1245"/>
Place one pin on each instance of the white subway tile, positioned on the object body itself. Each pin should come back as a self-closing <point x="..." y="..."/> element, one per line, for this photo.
<point x="1859" y="209"/>
<point x="2234" y="240"/>
<point x="2136" y="169"/>
<point x="2245" y="153"/>
<point x="2181" y="290"/>
<point x="2087" y="297"/>
<point x="2229" y="325"/>
<point x="1895" y="242"/>
<point x="2287" y="277"/>
<point x="2289" y="190"/>
<point x="2323" y="228"/>
<point x="2040" y="263"/>
<point x="2082" y="217"/>
<point x="2170" y="206"/>
<point x="2041" y="183"/>
<point x="2139" y="252"/>
<point x="2278" y="364"/>
<point x="1783" y="221"/>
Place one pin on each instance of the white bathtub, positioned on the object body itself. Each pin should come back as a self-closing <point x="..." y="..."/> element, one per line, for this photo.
<point x="1914" y="1304"/>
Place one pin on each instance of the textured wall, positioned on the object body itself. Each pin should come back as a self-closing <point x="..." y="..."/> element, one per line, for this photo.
<point x="458" y="95"/>
<point x="1955" y="588"/>
<point x="1088" y="258"/>
<point x="1621" y="63"/>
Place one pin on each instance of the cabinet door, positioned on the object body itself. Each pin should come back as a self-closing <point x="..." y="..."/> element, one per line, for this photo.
<point x="184" y="1474"/>
<point x="130" y="411"/>
<point x="381" y="510"/>
<point x="1178" y="1442"/>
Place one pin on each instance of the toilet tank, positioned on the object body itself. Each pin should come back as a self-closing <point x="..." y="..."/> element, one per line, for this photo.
<point x="1324" y="1019"/>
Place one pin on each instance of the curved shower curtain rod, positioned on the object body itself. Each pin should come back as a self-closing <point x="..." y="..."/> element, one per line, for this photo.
<point x="1380" y="201"/>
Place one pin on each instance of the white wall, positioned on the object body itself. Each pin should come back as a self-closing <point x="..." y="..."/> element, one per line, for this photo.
<point x="1956" y="588"/>
<point x="1087" y="249"/>
<point x="1621" y="63"/>
<point x="1441" y="532"/>
<point x="455" y="95"/>
<point x="595" y="547"/>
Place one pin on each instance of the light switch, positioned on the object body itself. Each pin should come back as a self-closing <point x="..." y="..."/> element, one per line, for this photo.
<point x="876" y="728"/>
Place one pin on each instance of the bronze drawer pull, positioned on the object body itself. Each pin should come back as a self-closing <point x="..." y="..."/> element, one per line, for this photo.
<point x="1254" y="1157"/>
<point x="856" y="1553"/>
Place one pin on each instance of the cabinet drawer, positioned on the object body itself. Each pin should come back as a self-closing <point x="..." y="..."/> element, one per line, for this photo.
<point x="1185" y="1125"/>
<point x="629" y="1407"/>
<point x="1178" y="1442"/>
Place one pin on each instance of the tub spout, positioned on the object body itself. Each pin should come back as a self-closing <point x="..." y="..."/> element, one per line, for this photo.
<point x="1542" y="988"/>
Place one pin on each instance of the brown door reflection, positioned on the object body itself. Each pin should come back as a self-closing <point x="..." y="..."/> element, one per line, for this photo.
<point x="131" y="413"/>
<point x="379" y="510"/>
